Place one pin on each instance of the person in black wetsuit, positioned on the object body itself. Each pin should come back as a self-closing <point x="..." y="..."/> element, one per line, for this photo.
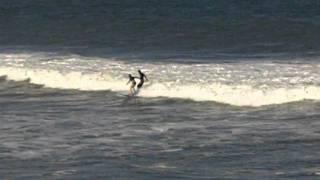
<point x="142" y="78"/>
<point x="133" y="84"/>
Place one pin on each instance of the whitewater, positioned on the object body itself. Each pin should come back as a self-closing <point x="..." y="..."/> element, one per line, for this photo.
<point x="241" y="83"/>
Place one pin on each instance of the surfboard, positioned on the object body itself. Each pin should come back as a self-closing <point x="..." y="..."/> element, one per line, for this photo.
<point x="125" y="94"/>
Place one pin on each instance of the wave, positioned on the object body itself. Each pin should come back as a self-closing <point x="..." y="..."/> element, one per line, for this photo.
<point x="239" y="95"/>
<point x="235" y="84"/>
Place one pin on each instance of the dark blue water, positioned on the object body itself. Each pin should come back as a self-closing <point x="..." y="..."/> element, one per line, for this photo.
<point x="62" y="134"/>
<point x="165" y="28"/>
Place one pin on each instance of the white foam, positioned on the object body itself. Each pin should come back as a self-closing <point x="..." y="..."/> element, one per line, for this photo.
<point x="56" y="79"/>
<point x="242" y="84"/>
<point x="236" y="95"/>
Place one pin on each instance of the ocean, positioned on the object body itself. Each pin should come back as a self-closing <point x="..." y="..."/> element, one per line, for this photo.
<point x="233" y="89"/>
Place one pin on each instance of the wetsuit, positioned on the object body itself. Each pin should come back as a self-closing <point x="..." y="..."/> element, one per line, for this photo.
<point x="142" y="77"/>
<point x="133" y="82"/>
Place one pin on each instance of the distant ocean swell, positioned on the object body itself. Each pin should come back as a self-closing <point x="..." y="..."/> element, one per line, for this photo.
<point x="239" y="84"/>
<point x="243" y="27"/>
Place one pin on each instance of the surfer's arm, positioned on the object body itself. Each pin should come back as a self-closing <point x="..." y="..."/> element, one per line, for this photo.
<point x="146" y="77"/>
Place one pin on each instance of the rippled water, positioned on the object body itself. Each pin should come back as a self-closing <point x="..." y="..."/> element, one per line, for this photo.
<point x="56" y="134"/>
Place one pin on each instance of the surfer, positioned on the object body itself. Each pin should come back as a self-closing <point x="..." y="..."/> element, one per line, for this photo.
<point x="142" y="78"/>
<point x="133" y="84"/>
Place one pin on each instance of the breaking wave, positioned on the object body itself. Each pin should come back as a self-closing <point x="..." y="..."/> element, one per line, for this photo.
<point x="240" y="84"/>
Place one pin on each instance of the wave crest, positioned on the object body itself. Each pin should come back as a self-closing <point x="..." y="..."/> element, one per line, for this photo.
<point x="239" y="95"/>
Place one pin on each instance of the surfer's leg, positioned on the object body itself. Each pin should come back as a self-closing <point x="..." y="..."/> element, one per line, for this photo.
<point x="132" y="90"/>
<point x="140" y="85"/>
